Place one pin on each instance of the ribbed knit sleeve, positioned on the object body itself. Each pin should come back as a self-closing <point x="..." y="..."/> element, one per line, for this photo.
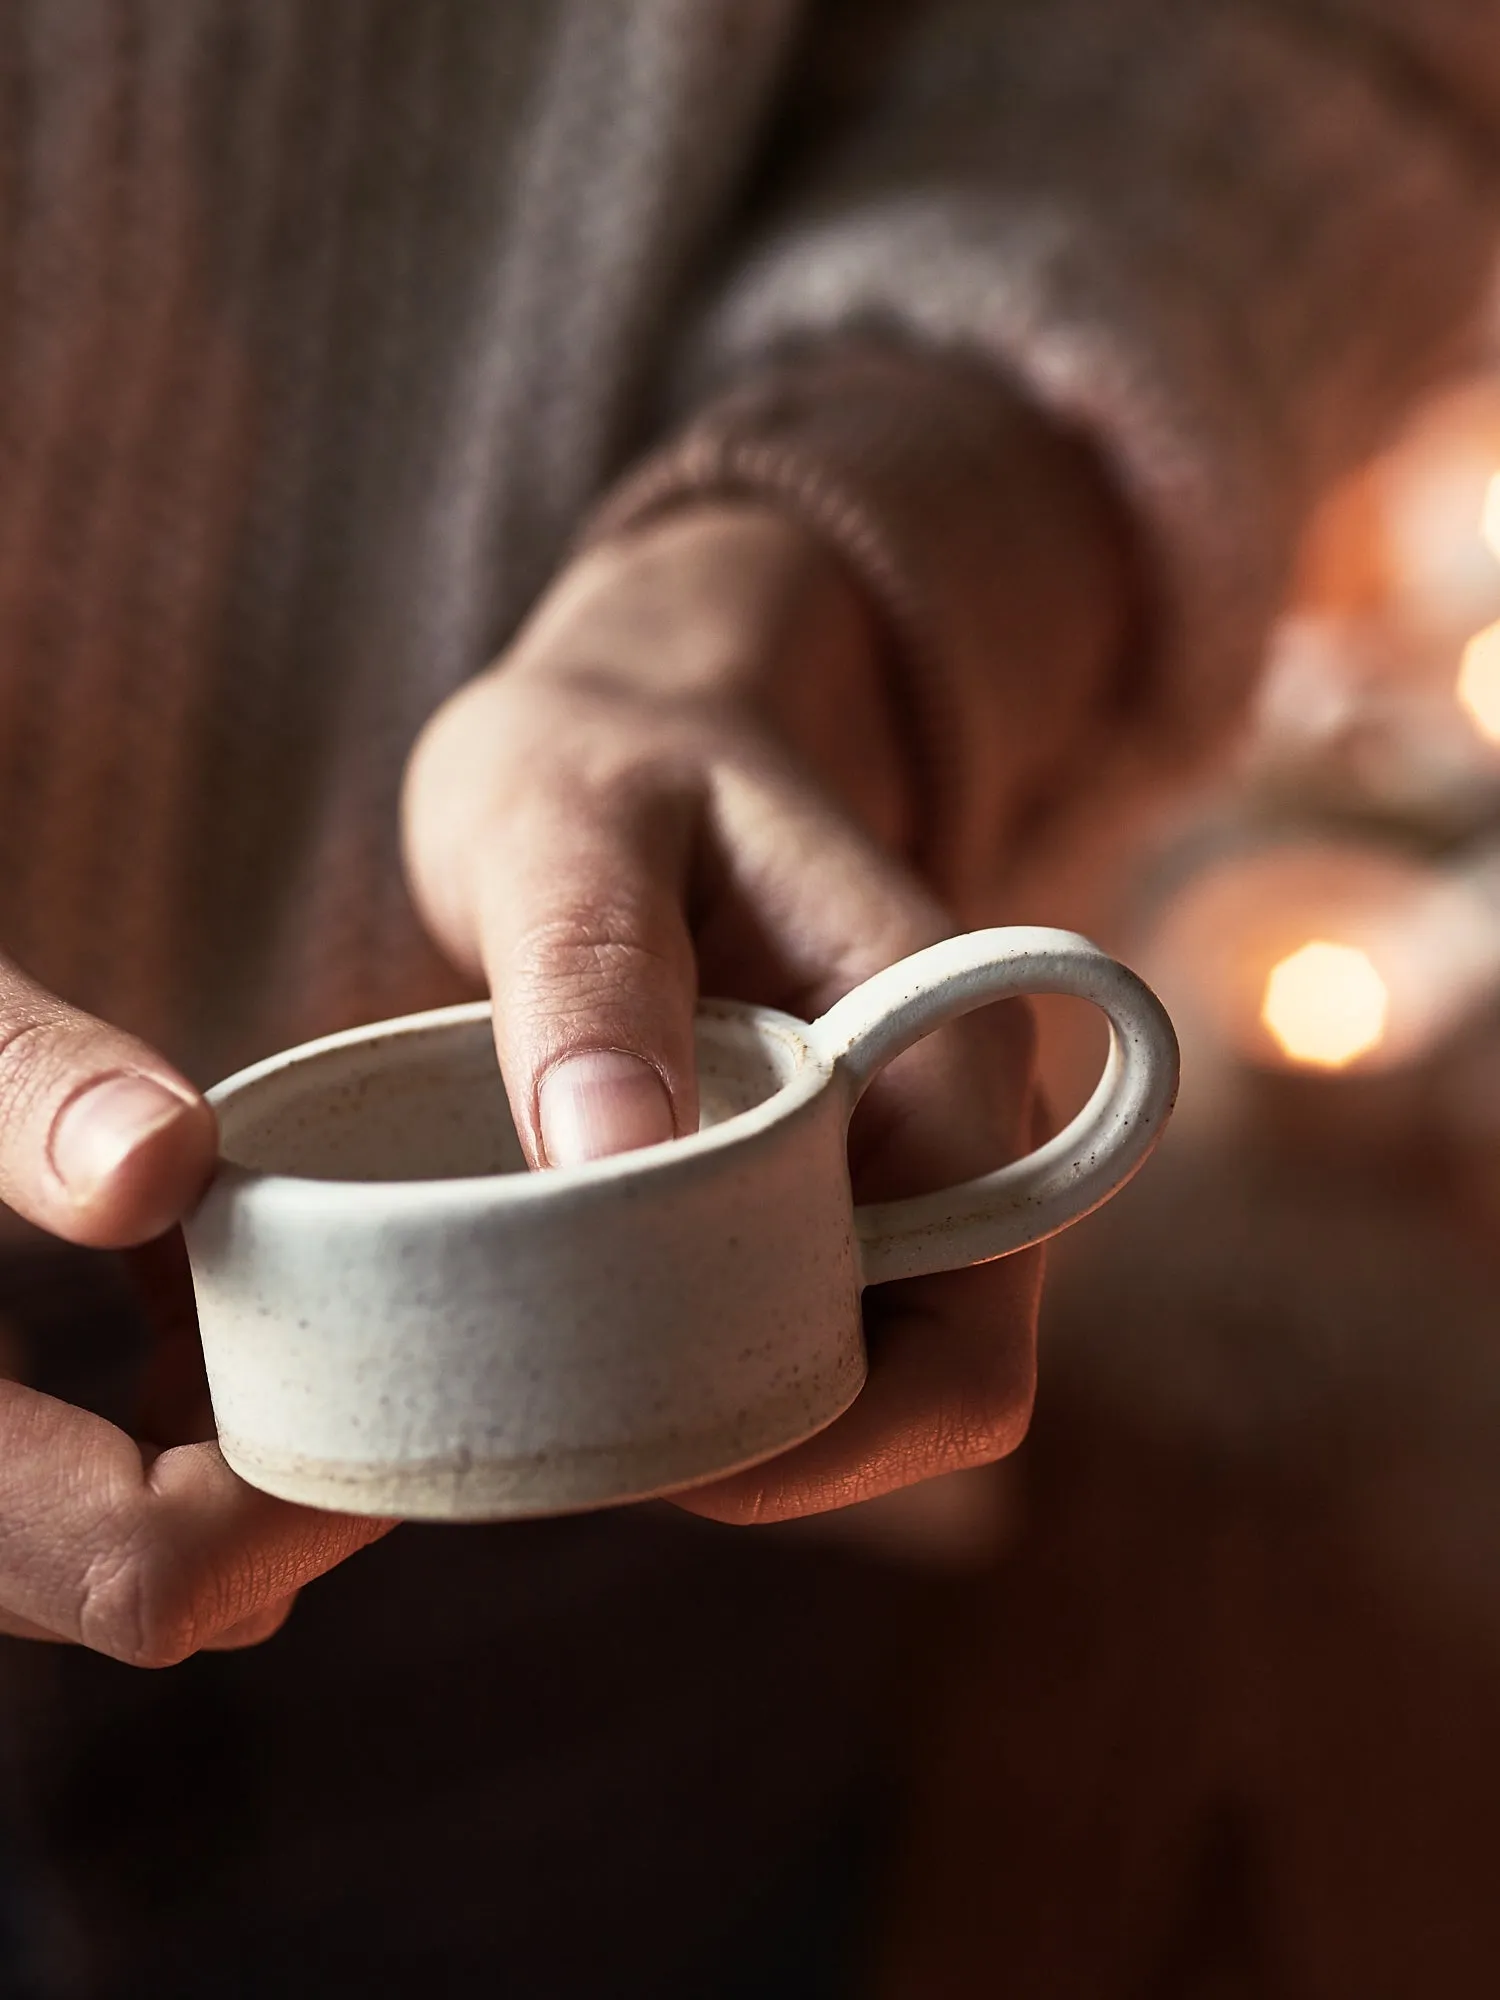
<point x="1229" y="240"/>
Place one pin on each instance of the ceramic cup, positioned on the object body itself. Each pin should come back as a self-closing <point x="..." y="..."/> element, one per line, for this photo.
<point x="398" y="1318"/>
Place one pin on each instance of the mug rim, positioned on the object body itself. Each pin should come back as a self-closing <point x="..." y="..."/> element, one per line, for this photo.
<point x="814" y="1072"/>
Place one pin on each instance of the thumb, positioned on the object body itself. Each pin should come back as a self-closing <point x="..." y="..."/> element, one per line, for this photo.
<point x="585" y="943"/>
<point x="101" y="1141"/>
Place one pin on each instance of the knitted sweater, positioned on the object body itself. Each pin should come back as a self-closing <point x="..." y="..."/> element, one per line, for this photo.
<point x="328" y="321"/>
<point x="327" y="324"/>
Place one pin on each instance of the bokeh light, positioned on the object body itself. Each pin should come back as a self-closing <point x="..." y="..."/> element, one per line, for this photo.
<point x="1479" y="681"/>
<point x="1325" y="1004"/>
<point x="1489" y="519"/>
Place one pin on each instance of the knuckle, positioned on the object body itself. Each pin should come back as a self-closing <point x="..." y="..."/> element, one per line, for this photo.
<point x="31" y="1045"/>
<point x="48" y="1050"/>
<point x="990" y="1395"/>
<point x="991" y="1419"/>
<point x="134" y="1607"/>
<point x="585" y="957"/>
<point x="871" y="942"/>
<point x="593" y="721"/>
<point x="254" y="1630"/>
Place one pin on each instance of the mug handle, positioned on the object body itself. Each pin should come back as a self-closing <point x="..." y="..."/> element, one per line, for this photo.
<point x="1073" y="1172"/>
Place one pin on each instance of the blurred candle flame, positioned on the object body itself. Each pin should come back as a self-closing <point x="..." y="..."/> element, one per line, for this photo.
<point x="1479" y="682"/>
<point x="1325" y="1004"/>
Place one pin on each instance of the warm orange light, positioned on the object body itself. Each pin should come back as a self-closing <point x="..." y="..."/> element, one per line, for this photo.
<point x="1325" y="1004"/>
<point x="1479" y="681"/>
<point x="1489" y="517"/>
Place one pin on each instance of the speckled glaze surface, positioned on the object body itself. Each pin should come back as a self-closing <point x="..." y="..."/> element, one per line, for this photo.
<point x="398" y="1318"/>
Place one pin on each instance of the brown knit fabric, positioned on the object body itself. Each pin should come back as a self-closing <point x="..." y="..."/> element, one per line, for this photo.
<point x="1229" y="239"/>
<point x="324" y="322"/>
<point x="319" y="324"/>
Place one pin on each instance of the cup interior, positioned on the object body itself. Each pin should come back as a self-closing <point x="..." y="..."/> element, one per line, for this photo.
<point x="423" y="1100"/>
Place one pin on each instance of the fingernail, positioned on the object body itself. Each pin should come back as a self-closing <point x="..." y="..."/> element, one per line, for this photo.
<point x="101" y="1127"/>
<point x="605" y="1102"/>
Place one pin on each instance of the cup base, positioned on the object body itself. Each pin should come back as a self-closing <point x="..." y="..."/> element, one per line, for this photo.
<point x="470" y="1486"/>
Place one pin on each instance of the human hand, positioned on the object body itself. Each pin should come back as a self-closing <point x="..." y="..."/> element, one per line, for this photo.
<point x="143" y="1553"/>
<point x="683" y="773"/>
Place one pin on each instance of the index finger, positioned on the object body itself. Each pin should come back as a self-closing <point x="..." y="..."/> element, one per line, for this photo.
<point x="952" y="1356"/>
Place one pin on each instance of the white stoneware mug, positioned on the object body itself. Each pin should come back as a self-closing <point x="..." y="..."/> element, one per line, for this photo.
<point x="399" y="1319"/>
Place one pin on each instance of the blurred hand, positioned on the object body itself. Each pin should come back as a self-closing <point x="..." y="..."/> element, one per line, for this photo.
<point x="684" y="773"/>
<point x="141" y="1553"/>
